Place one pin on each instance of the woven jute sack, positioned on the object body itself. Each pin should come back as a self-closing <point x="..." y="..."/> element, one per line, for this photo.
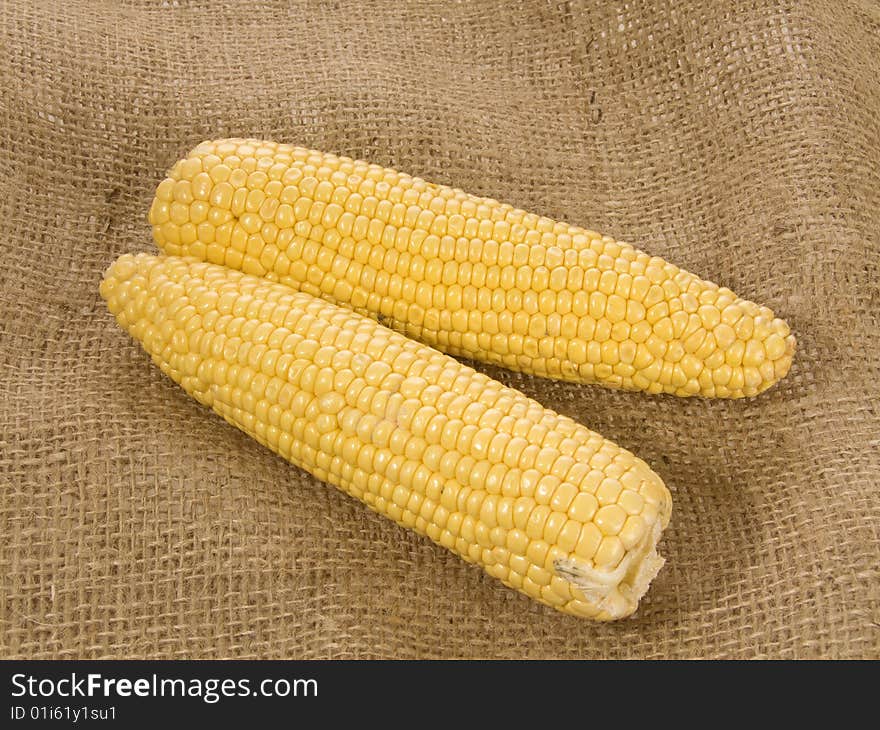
<point x="738" y="140"/>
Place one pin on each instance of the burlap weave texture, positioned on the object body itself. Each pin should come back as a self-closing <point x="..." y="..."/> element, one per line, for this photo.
<point x="740" y="140"/>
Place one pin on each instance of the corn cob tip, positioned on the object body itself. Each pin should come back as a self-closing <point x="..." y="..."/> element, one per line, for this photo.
<point x="122" y="268"/>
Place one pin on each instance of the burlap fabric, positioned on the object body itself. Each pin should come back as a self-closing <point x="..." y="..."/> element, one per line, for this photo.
<point x="739" y="140"/>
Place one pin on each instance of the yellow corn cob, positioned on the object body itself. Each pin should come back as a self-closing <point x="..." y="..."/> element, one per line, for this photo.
<point x="468" y="275"/>
<point x="539" y="501"/>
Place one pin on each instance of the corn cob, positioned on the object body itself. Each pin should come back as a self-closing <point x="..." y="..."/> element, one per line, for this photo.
<point x="468" y="275"/>
<point x="537" y="500"/>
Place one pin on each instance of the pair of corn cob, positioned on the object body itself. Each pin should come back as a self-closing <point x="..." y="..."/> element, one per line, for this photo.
<point x="279" y="261"/>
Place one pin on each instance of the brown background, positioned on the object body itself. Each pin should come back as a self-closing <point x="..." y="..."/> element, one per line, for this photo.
<point x="741" y="142"/>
